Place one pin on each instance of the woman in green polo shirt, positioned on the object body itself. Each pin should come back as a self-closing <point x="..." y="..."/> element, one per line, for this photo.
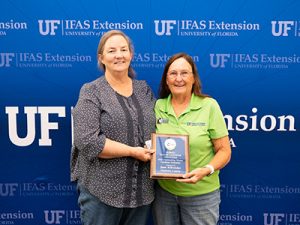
<point x="183" y="109"/>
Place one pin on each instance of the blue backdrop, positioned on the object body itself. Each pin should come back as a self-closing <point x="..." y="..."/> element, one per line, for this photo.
<point x="248" y="56"/>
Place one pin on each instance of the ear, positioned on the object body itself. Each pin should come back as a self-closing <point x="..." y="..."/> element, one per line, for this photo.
<point x="167" y="83"/>
<point x="131" y="55"/>
<point x="100" y="58"/>
<point x="194" y="80"/>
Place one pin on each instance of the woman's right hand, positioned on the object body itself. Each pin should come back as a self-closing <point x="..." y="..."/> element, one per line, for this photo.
<point x="142" y="154"/>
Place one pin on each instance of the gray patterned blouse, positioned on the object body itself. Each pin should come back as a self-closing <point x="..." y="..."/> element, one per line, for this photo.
<point x="102" y="113"/>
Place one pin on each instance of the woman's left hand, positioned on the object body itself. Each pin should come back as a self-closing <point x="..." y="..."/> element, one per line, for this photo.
<point x="194" y="176"/>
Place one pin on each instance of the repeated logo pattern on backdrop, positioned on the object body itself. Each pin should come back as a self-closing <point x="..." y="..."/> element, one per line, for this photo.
<point x="248" y="57"/>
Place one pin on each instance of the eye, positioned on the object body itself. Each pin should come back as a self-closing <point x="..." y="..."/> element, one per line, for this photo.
<point x="111" y="51"/>
<point x="184" y="73"/>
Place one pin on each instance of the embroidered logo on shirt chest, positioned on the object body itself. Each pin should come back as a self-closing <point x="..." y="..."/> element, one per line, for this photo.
<point x="193" y="124"/>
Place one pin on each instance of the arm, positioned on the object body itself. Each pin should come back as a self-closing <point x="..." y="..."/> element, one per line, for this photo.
<point x="223" y="152"/>
<point x="222" y="157"/>
<point x="221" y="146"/>
<point x="88" y="137"/>
<point x="114" y="149"/>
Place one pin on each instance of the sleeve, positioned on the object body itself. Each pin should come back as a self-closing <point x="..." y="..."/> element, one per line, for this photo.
<point x="86" y="119"/>
<point x="217" y="125"/>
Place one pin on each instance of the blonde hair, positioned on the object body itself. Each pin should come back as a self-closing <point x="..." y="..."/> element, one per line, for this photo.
<point x="104" y="38"/>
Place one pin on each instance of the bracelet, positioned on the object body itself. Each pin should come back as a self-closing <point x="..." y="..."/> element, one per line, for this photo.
<point x="211" y="168"/>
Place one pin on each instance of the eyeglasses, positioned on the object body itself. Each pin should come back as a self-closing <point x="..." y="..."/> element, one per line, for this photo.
<point x="183" y="74"/>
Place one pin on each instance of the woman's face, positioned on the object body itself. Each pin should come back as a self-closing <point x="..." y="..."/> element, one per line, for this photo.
<point x="180" y="78"/>
<point x="116" y="54"/>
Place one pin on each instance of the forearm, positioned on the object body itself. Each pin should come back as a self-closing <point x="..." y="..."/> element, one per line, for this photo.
<point x="223" y="153"/>
<point x="222" y="156"/>
<point x="114" y="149"/>
<point x="220" y="160"/>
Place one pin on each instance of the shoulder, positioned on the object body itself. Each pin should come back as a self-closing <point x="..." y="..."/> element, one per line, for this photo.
<point x="206" y="101"/>
<point x="161" y="101"/>
<point x="212" y="105"/>
<point x="161" y="104"/>
<point x="93" y="86"/>
<point x="210" y="101"/>
<point x="141" y="87"/>
<point x="140" y="83"/>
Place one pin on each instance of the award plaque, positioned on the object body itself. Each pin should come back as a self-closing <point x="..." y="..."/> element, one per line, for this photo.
<point x="171" y="158"/>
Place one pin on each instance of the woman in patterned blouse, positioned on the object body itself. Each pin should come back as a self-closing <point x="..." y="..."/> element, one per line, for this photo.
<point x="113" y="118"/>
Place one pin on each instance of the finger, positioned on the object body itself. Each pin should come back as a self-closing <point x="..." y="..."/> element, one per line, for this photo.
<point x="188" y="175"/>
<point x="151" y="151"/>
<point x="181" y="180"/>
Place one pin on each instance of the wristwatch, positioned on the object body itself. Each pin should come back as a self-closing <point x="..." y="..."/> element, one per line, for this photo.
<point x="211" y="168"/>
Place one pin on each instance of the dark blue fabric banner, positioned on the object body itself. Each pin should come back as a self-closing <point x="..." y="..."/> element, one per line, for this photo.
<point x="248" y="57"/>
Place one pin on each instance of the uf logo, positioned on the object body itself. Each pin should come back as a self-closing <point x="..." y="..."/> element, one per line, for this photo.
<point x="274" y="218"/>
<point x="166" y="27"/>
<point x="50" y="26"/>
<point x="54" y="217"/>
<point x="8" y="189"/>
<point x="218" y="60"/>
<point x="283" y="27"/>
<point x="5" y="59"/>
<point x="31" y="112"/>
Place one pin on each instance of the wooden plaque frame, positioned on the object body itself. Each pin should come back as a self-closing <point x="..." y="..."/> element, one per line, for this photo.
<point x="171" y="159"/>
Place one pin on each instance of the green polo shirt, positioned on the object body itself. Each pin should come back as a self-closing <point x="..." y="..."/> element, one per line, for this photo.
<point x="202" y="121"/>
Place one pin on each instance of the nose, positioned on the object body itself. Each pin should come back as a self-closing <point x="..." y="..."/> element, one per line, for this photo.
<point x="119" y="54"/>
<point x="178" y="77"/>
